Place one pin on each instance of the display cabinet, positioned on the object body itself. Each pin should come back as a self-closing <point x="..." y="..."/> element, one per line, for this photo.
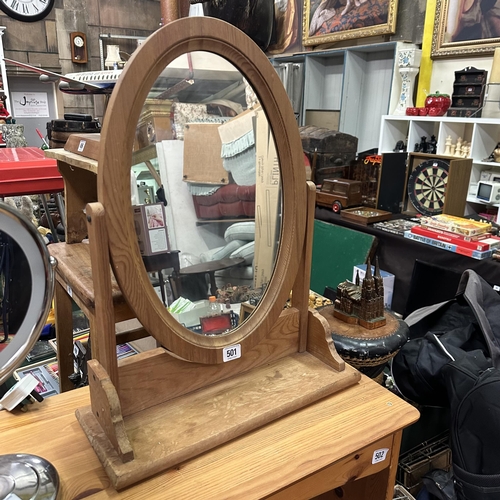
<point x="483" y="134"/>
<point x="362" y="82"/>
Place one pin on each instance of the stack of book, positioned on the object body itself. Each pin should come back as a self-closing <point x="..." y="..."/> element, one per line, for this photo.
<point x="456" y="234"/>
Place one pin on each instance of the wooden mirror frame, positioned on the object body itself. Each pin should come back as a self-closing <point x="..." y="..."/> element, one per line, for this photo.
<point x="115" y="160"/>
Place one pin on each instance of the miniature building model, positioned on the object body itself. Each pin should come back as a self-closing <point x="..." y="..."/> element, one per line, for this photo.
<point x="362" y="304"/>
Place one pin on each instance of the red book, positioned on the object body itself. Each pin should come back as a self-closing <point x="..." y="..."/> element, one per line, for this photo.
<point x="487" y="242"/>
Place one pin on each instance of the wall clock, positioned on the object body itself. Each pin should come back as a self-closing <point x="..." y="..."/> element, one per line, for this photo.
<point x="27" y="10"/>
<point x="78" y="43"/>
<point x="427" y="186"/>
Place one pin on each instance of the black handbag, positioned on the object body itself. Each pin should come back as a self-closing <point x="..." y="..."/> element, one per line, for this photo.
<point x="466" y="327"/>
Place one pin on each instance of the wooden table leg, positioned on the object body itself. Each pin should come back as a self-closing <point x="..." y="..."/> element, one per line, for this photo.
<point x="64" y="336"/>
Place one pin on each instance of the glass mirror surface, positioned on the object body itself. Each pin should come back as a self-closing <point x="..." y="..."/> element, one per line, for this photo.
<point x="24" y="261"/>
<point x="15" y="287"/>
<point x="206" y="195"/>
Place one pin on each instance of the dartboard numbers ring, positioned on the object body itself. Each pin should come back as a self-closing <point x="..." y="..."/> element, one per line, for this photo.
<point x="427" y="186"/>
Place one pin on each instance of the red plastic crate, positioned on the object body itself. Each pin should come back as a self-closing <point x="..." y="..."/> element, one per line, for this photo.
<point x="28" y="171"/>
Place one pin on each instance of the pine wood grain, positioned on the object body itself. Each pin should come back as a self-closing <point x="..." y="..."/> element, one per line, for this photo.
<point x="301" y="287"/>
<point x="169" y="377"/>
<point x="73" y="159"/>
<point x="257" y="465"/>
<point x="75" y="270"/>
<point x="102" y="335"/>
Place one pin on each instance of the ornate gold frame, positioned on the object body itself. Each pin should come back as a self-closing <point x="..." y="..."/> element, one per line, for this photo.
<point x="443" y="48"/>
<point x="379" y="29"/>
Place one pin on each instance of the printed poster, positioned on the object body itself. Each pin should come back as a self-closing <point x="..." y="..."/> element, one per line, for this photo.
<point x="30" y="104"/>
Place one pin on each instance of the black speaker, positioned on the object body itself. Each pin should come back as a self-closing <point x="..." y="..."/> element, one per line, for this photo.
<point x="391" y="182"/>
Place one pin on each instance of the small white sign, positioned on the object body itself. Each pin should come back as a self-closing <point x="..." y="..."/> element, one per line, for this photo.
<point x="81" y="146"/>
<point x="231" y="352"/>
<point x="379" y="455"/>
<point x="30" y="104"/>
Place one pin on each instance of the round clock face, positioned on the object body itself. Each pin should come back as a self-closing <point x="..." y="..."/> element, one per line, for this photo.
<point x="78" y="41"/>
<point x="27" y="10"/>
<point x="427" y="186"/>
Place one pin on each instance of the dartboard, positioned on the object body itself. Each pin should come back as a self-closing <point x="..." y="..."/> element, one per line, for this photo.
<point x="427" y="186"/>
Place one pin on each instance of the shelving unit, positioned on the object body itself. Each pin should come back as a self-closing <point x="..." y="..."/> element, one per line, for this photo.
<point x="4" y="86"/>
<point x="482" y="133"/>
<point x="362" y="82"/>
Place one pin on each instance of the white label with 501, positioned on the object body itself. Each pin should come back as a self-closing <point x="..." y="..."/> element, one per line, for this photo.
<point x="231" y="352"/>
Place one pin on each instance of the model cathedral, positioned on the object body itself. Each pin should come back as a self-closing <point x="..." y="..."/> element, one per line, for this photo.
<point x="362" y="304"/>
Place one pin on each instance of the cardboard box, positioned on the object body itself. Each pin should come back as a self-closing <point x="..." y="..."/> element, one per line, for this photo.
<point x="388" y="280"/>
<point x="151" y="228"/>
<point x="267" y="206"/>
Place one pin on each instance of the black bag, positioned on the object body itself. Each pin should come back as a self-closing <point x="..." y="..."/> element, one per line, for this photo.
<point x="467" y="327"/>
<point x="475" y="430"/>
<point x="456" y="362"/>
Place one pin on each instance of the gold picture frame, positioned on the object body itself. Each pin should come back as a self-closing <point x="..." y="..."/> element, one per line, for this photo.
<point x="457" y="34"/>
<point x="326" y="21"/>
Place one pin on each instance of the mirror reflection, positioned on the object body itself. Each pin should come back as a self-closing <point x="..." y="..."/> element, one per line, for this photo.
<point x="205" y="188"/>
<point x="15" y="287"/>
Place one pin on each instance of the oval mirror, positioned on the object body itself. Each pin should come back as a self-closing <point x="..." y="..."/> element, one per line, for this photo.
<point x="196" y="189"/>
<point x="24" y="262"/>
<point x="26" y="289"/>
<point x="204" y="117"/>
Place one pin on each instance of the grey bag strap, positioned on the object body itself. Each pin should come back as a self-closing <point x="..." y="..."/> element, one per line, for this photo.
<point x="419" y="314"/>
<point x="485" y="303"/>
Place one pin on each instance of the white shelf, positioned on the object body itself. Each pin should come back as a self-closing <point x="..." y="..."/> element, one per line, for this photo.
<point x="482" y="133"/>
<point x="473" y="199"/>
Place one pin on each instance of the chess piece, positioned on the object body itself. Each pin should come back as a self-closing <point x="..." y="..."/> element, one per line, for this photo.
<point x="459" y="146"/>
<point x="423" y="144"/>
<point x="447" y="144"/>
<point x="432" y="145"/>
<point x="496" y="154"/>
<point x="452" y="149"/>
<point x="492" y="155"/>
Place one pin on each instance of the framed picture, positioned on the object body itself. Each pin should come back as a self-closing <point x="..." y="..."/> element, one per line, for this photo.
<point x="465" y="27"/>
<point x="245" y="310"/>
<point x="333" y="20"/>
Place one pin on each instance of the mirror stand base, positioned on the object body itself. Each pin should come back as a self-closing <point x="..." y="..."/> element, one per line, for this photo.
<point x="174" y="431"/>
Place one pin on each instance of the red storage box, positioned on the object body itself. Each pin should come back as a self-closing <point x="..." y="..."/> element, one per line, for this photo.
<point x="28" y="171"/>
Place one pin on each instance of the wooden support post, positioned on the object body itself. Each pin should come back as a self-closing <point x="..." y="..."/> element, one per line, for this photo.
<point x="300" y="291"/>
<point x="103" y="345"/>
<point x="64" y="336"/>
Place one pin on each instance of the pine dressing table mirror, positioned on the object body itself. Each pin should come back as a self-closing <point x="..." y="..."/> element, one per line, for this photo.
<point x="158" y="408"/>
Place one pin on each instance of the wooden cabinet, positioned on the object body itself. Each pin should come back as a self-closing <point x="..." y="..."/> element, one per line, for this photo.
<point x="482" y="133"/>
<point x="361" y="82"/>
